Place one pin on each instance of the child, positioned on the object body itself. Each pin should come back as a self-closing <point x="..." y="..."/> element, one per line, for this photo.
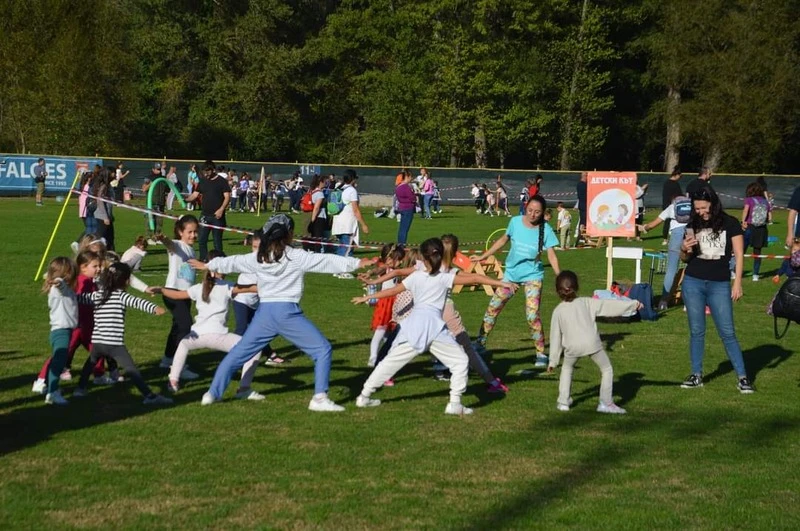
<point x="790" y="266"/>
<point x="109" y="329"/>
<point x="58" y="284"/>
<point x="573" y="330"/>
<point x="133" y="256"/>
<point x="490" y="200"/>
<point x="179" y="277"/>
<point x="424" y="328"/>
<point x="280" y="269"/>
<point x="436" y="202"/>
<point x="548" y="215"/>
<point x="391" y="256"/>
<point x="210" y="329"/>
<point x="88" y="267"/>
<point x="564" y="222"/>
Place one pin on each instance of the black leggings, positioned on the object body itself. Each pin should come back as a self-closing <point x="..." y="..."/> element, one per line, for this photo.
<point x="181" y="323"/>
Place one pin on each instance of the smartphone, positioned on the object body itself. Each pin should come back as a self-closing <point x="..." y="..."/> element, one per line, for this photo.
<point x="689" y="234"/>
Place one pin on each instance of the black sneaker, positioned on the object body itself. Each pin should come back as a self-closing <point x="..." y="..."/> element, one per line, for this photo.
<point x="745" y="387"/>
<point x="443" y="376"/>
<point x="692" y="381"/>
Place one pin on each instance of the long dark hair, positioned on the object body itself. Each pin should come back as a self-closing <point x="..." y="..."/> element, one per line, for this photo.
<point x="114" y="278"/>
<point x="432" y="251"/>
<point x="542" y="201"/>
<point x="209" y="281"/>
<point x="716" y="220"/>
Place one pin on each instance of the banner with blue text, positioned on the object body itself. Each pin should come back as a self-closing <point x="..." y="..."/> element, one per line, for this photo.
<point x="16" y="172"/>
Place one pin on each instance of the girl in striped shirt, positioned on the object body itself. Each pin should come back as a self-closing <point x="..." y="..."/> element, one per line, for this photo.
<point x="110" y="305"/>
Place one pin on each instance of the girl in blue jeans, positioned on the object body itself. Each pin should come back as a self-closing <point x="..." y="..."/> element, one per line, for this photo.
<point x="279" y="269"/>
<point x="711" y="238"/>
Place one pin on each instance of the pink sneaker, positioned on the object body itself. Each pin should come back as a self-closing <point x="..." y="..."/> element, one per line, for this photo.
<point x="708" y="310"/>
<point x="497" y="387"/>
<point x="388" y="383"/>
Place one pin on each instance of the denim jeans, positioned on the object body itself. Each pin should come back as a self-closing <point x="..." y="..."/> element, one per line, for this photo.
<point x="697" y="294"/>
<point x="748" y="233"/>
<point x="271" y="320"/>
<point x="673" y="259"/>
<point x="406" y="217"/>
<point x="426" y="201"/>
<point x="205" y="231"/>
<point x="344" y="248"/>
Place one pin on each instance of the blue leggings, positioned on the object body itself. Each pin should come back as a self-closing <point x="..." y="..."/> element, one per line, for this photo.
<point x="273" y="319"/>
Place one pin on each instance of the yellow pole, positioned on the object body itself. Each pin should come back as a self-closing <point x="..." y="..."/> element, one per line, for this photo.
<point x="55" y="230"/>
<point x="260" y="191"/>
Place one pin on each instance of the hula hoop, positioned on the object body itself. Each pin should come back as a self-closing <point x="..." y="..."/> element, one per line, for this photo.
<point x="150" y="219"/>
<point x="489" y="240"/>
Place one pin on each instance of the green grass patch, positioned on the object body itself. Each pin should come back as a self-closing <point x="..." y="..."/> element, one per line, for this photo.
<point x="706" y="458"/>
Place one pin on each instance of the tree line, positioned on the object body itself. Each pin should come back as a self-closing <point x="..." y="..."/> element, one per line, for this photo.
<point x="552" y="84"/>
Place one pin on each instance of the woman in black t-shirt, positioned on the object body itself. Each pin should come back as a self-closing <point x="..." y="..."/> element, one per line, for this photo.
<point x="712" y="236"/>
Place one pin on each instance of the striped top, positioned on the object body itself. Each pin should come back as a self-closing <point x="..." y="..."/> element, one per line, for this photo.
<point x="109" y="317"/>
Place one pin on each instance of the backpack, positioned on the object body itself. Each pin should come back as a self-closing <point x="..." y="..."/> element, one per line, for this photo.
<point x="335" y="204"/>
<point x="786" y="305"/>
<point x="683" y="209"/>
<point x="759" y="214"/>
<point x="644" y="294"/>
<point x="306" y="204"/>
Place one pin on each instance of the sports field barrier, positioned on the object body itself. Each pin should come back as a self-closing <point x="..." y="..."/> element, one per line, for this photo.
<point x="454" y="183"/>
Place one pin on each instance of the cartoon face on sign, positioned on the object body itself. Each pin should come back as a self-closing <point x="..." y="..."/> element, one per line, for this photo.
<point x="611" y="209"/>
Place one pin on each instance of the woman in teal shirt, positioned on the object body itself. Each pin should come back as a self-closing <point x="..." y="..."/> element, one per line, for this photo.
<point x="530" y="235"/>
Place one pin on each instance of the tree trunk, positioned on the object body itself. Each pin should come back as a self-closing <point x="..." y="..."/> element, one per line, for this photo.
<point x="480" y="146"/>
<point x="672" y="152"/>
<point x="712" y="158"/>
<point x="566" y="136"/>
<point x="454" y="156"/>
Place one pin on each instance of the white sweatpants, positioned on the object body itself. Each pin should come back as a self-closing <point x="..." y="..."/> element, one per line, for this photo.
<point x="450" y="354"/>
<point x="606" y="378"/>
<point x="221" y="342"/>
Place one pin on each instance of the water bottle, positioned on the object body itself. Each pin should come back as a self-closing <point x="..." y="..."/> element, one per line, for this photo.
<point x="372" y="289"/>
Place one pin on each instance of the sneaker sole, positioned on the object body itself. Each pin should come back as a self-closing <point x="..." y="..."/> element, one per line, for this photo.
<point x="683" y="386"/>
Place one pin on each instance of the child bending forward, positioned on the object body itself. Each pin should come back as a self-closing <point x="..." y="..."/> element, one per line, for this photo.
<point x="573" y="330"/>
<point x="424" y="329"/>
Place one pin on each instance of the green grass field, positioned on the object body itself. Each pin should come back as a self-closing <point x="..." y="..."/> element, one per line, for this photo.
<point x="705" y="458"/>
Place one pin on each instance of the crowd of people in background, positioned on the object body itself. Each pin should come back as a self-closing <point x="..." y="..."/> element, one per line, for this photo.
<point x="697" y="232"/>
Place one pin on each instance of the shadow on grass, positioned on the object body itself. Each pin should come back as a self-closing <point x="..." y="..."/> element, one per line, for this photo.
<point x="755" y="360"/>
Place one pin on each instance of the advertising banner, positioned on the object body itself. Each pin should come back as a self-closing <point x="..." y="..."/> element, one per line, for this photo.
<point x="611" y="204"/>
<point x="16" y="172"/>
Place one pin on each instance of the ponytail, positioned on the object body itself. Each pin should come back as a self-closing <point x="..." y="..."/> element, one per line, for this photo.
<point x="432" y="251"/>
<point x="209" y="280"/>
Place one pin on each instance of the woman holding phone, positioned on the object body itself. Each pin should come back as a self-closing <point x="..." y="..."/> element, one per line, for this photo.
<point x="712" y="237"/>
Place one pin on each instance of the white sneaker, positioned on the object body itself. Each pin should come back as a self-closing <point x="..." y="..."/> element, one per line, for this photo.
<point x="55" y="398"/>
<point x="157" y="400"/>
<point x="324" y="405"/>
<point x="65" y="375"/>
<point x="151" y="241"/>
<point x="249" y="394"/>
<point x="207" y="399"/>
<point x="186" y="374"/>
<point x="755" y="278"/>
<point x="541" y="361"/>
<point x="104" y="380"/>
<point x="39" y="386"/>
<point x="79" y="392"/>
<point x="457" y="409"/>
<point x="371" y="363"/>
<point x="610" y="408"/>
<point x="364" y="401"/>
<point x="564" y="407"/>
